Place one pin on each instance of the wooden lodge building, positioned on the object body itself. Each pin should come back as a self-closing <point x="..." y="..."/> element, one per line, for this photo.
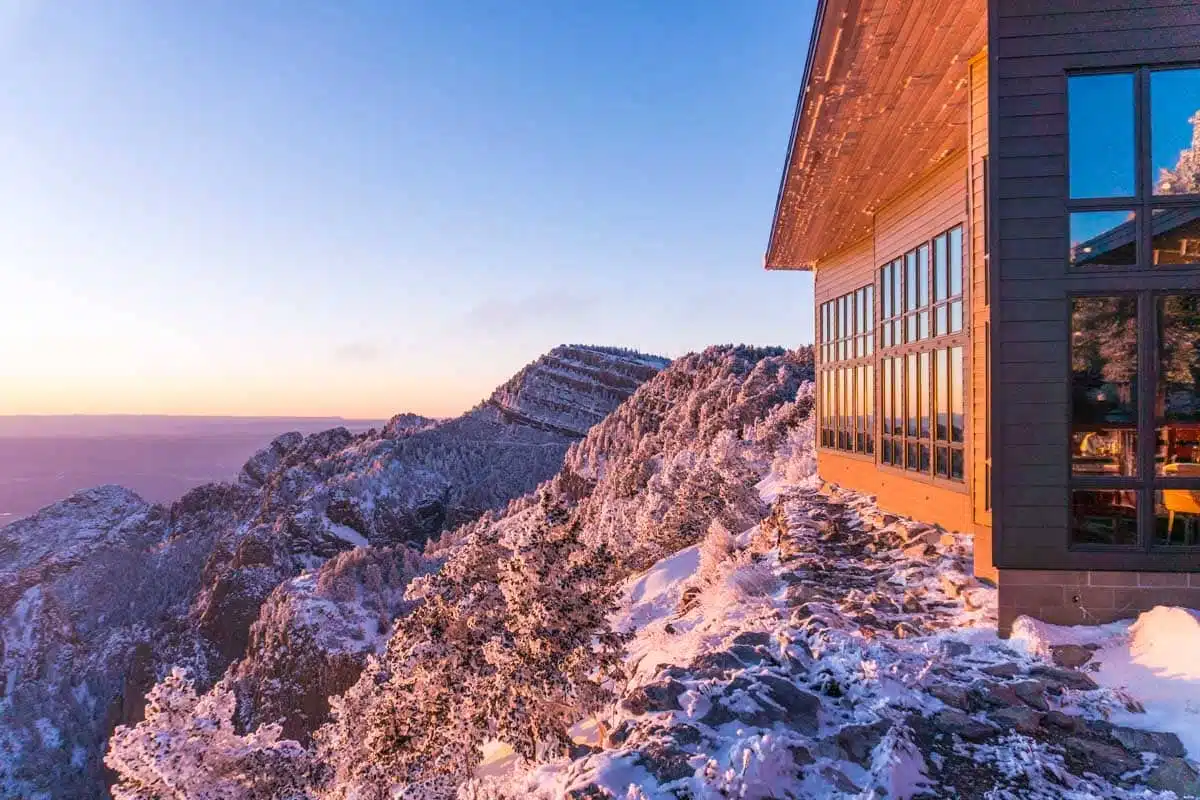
<point x="1000" y="203"/>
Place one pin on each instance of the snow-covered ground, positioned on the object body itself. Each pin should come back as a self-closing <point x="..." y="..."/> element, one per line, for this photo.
<point x="837" y="651"/>
<point x="1155" y="660"/>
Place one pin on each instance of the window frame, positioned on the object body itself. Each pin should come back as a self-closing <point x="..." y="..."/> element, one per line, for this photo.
<point x="847" y="347"/>
<point x="1147" y="482"/>
<point x="928" y="347"/>
<point x="1144" y="202"/>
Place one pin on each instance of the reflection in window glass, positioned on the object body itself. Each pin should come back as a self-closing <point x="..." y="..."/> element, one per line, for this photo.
<point x="958" y="415"/>
<point x="1177" y="396"/>
<point x="924" y="371"/>
<point x="1175" y="131"/>
<point x="1104" y="516"/>
<point x="1176" y="233"/>
<point x="942" y="383"/>
<point x="1100" y="117"/>
<point x="1103" y="238"/>
<point x="1104" y="368"/>
<point x="1177" y="517"/>
<point x="913" y="390"/>
<point x="956" y="262"/>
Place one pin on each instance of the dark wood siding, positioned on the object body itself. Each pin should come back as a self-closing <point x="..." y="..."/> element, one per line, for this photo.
<point x="1033" y="44"/>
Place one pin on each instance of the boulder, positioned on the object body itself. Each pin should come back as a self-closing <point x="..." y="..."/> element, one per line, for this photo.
<point x="1067" y="678"/>
<point x="1103" y="759"/>
<point x="1005" y="670"/>
<point x="1033" y="693"/>
<point x="1175" y="775"/>
<point x="800" y="709"/>
<point x="959" y="724"/>
<point x="654" y="697"/>
<point x="858" y="741"/>
<point x="1023" y="720"/>
<point x="1071" y="656"/>
<point x="1165" y="744"/>
<point x="952" y="695"/>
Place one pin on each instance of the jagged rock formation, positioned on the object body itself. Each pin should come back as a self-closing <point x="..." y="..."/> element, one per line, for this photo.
<point x="102" y="593"/>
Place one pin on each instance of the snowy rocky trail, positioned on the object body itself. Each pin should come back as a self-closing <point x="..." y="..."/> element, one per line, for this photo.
<point x="837" y="651"/>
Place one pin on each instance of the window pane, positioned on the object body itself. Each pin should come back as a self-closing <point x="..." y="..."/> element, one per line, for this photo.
<point x="887" y="396"/>
<point x="956" y="464"/>
<point x="1104" y="517"/>
<point x="923" y="325"/>
<point x="956" y="262"/>
<point x="885" y="289"/>
<point x="942" y="384"/>
<point x="925" y="395"/>
<point x="869" y="293"/>
<point x="923" y="458"/>
<point x="941" y="267"/>
<point x="897" y="288"/>
<point x="912" y="276"/>
<point x="1176" y="234"/>
<point x="910" y="458"/>
<point x="957" y="416"/>
<point x="942" y="461"/>
<point x="869" y="393"/>
<point x="1175" y="131"/>
<point x="1103" y="238"/>
<point x="1100" y="130"/>
<point x="1177" y="396"/>
<point x="942" y="324"/>
<point x="1177" y="517"/>
<point x="1104" y="366"/>
<point x="860" y="407"/>
<point x="956" y="316"/>
<point x="923" y="276"/>
<point x="913" y="389"/>
<point x="898" y="389"/>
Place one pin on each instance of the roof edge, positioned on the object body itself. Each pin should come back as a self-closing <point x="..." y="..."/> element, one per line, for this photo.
<point x="813" y="37"/>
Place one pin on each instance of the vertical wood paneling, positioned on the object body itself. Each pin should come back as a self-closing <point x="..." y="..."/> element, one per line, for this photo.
<point x="977" y="148"/>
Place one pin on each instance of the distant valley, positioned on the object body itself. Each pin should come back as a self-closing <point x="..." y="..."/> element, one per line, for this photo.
<point x="45" y="458"/>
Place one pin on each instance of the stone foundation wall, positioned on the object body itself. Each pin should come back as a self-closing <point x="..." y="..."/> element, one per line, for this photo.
<point x="1090" y="598"/>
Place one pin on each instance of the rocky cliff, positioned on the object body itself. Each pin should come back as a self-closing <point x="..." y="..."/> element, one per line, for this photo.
<point x="101" y="593"/>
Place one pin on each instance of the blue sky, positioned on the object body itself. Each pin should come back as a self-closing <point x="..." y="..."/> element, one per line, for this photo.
<point x="361" y="208"/>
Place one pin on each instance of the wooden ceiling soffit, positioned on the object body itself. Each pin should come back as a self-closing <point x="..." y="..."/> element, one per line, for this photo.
<point x="884" y="102"/>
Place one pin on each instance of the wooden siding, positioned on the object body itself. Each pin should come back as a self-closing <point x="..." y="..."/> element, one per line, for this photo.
<point x="977" y="151"/>
<point x="1032" y="46"/>
<point x="926" y="500"/>
<point x="926" y="208"/>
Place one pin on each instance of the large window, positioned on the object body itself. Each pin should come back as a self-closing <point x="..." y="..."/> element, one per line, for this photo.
<point x="1134" y="204"/>
<point x="847" y="381"/>
<point x="1135" y="470"/>
<point x="1134" y="168"/>
<point x="923" y="408"/>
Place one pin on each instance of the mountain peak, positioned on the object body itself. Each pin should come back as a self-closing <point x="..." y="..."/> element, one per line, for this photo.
<point x="572" y="387"/>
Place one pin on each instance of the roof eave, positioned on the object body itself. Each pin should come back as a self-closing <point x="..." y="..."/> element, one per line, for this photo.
<point x="771" y="259"/>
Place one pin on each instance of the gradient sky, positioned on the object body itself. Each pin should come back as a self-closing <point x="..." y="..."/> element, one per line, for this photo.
<point x="360" y="208"/>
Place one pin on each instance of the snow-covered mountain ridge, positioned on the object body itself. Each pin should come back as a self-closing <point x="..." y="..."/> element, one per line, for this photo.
<point x="101" y="593"/>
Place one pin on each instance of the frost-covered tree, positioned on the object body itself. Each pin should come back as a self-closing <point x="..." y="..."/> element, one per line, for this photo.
<point x="188" y="749"/>
<point x="510" y="640"/>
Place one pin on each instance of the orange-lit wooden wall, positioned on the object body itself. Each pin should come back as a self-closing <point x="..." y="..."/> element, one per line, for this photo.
<point x="981" y="317"/>
<point x="949" y="195"/>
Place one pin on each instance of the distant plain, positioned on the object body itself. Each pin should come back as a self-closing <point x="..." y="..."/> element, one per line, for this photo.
<point x="44" y="459"/>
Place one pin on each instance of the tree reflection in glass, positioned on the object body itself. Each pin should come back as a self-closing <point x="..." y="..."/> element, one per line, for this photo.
<point x="1175" y="130"/>
<point x="1104" y="369"/>
<point x="1176" y="399"/>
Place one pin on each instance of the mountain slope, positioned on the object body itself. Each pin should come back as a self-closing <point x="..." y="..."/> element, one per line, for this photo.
<point x="102" y="593"/>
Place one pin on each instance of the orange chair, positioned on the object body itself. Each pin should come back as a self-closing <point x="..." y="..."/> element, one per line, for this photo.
<point x="1181" y="501"/>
